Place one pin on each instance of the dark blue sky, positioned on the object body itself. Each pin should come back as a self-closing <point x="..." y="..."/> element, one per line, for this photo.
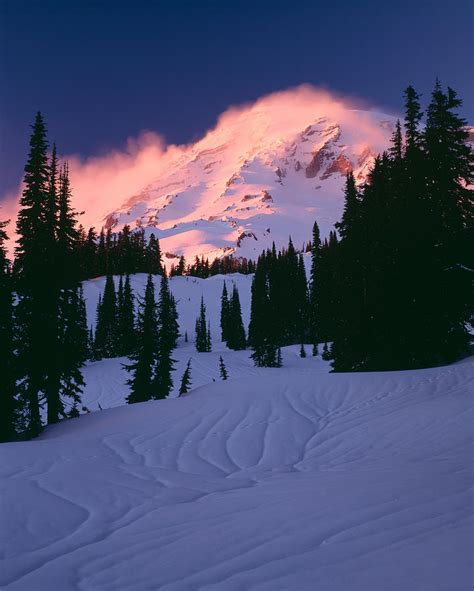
<point x="101" y="71"/>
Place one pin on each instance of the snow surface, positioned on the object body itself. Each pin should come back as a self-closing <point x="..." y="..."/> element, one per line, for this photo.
<point x="278" y="479"/>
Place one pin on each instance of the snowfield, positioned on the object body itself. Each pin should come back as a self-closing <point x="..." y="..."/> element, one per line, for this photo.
<point x="278" y="479"/>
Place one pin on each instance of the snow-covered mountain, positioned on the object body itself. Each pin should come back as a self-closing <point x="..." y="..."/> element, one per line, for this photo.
<point x="266" y="171"/>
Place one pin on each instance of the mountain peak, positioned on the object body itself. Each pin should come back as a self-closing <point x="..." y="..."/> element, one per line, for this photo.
<point x="266" y="171"/>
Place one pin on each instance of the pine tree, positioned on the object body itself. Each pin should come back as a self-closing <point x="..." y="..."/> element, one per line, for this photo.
<point x="185" y="380"/>
<point x="413" y="117"/>
<point x="202" y="342"/>
<point x="168" y="332"/>
<point x="126" y="318"/>
<point x="350" y="214"/>
<point x="236" y="338"/>
<point x="208" y="337"/>
<point x="153" y="256"/>
<point x="450" y="210"/>
<point x="72" y="345"/>
<point x="106" y="327"/>
<point x="8" y="368"/>
<point x="144" y="356"/>
<point x="35" y="280"/>
<point x="224" y="314"/>
<point x="67" y="233"/>
<point x="84" y="350"/>
<point x="222" y="369"/>
<point x="102" y="255"/>
<point x="314" y="283"/>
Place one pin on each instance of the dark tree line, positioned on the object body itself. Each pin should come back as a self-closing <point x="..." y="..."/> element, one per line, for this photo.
<point x="219" y="266"/>
<point x="405" y="259"/>
<point x="121" y="253"/>
<point x="395" y="290"/>
<point x="128" y="251"/>
<point x="280" y="305"/>
<point x="155" y="338"/>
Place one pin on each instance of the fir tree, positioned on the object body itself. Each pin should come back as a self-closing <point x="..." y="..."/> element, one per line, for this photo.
<point x="167" y="338"/>
<point x="208" y="337"/>
<point x="185" y="380"/>
<point x="106" y="327"/>
<point x="8" y="370"/>
<point x="236" y="333"/>
<point x="314" y="282"/>
<point x="144" y="356"/>
<point x="67" y="233"/>
<point x="35" y="281"/>
<point x="351" y="207"/>
<point x="413" y="117"/>
<point x="126" y="318"/>
<point x="222" y="369"/>
<point x="224" y="314"/>
<point x="279" y="360"/>
<point x="153" y="256"/>
<point x="72" y="345"/>
<point x="202" y="342"/>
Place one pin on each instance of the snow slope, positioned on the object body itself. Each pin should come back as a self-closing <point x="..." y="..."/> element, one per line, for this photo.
<point x="291" y="479"/>
<point x="278" y="479"/>
<point x="266" y="171"/>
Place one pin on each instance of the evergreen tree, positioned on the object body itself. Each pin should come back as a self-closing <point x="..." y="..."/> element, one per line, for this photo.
<point x="144" y="356"/>
<point x="413" y="115"/>
<point x="168" y="332"/>
<point x="102" y="255"/>
<point x="225" y="314"/>
<point x="279" y="360"/>
<point x="106" y="327"/>
<point x="8" y="369"/>
<point x="67" y="233"/>
<point x="202" y="342"/>
<point x="126" y="318"/>
<point x="351" y="207"/>
<point x="71" y="351"/>
<point x="314" y="283"/>
<point x="222" y="369"/>
<point x="185" y="380"/>
<point x="236" y="338"/>
<point x="35" y="281"/>
<point x="208" y="337"/>
<point x="153" y="256"/>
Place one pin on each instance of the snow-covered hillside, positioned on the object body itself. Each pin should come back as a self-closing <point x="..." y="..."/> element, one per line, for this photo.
<point x="277" y="479"/>
<point x="293" y="479"/>
<point x="265" y="172"/>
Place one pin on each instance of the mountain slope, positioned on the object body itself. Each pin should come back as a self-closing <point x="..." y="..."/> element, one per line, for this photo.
<point x="265" y="172"/>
